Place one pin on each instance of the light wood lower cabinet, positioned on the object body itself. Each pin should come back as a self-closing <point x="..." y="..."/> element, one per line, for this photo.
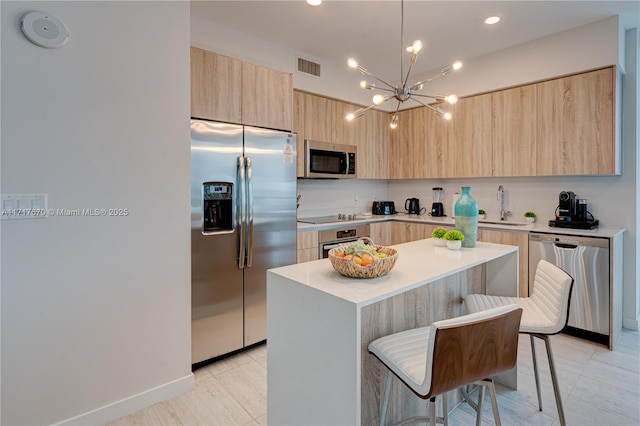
<point x="307" y="245"/>
<point x="520" y="239"/>
<point x="381" y="233"/>
<point x="403" y="232"/>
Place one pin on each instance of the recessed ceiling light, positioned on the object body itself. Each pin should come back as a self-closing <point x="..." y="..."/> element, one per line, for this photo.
<point x="492" y="20"/>
<point x="314" y="2"/>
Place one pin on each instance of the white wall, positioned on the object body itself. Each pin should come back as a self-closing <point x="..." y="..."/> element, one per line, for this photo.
<point x="96" y="310"/>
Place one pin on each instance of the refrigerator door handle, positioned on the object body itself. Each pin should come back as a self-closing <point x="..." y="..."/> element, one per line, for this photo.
<point x="249" y="212"/>
<point x="241" y="211"/>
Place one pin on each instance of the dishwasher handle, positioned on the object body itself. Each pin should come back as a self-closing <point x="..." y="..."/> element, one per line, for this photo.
<point x="566" y="245"/>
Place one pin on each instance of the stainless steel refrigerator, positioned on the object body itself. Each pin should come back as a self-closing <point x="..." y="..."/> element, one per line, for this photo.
<point x="243" y="222"/>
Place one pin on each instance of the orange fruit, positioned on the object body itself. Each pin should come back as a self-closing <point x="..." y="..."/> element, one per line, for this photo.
<point x="357" y="260"/>
<point x="367" y="259"/>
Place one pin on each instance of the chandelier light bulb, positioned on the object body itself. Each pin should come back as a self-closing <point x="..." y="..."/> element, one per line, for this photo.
<point x="451" y="99"/>
<point x="492" y="20"/>
<point x="366" y="85"/>
<point x="457" y="65"/>
<point x="350" y="116"/>
<point x="416" y="46"/>
<point x="447" y="116"/>
<point x="394" y="121"/>
<point x="378" y="99"/>
<point x="352" y="63"/>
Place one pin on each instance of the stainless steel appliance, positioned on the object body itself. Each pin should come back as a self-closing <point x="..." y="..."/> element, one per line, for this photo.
<point x="587" y="260"/>
<point x="329" y="160"/>
<point x="243" y="221"/>
<point x="331" y="238"/>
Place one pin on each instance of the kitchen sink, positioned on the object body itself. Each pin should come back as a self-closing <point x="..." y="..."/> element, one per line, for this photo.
<point x="504" y="222"/>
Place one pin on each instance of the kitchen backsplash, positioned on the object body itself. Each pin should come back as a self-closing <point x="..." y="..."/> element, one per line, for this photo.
<point x="606" y="196"/>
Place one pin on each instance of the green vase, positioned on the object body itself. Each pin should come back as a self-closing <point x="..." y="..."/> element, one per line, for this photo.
<point x="466" y="212"/>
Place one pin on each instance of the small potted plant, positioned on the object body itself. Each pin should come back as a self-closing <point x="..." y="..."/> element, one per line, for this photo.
<point x="454" y="239"/>
<point x="438" y="235"/>
<point x="481" y="214"/>
<point x="530" y="217"/>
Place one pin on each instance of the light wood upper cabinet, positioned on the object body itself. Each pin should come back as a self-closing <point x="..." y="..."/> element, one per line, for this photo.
<point x="318" y="118"/>
<point x="372" y="140"/>
<point x="514" y="132"/>
<point x="576" y="125"/>
<point x="467" y="149"/>
<point x="267" y="97"/>
<point x="230" y="90"/>
<point x="216" y="84"/>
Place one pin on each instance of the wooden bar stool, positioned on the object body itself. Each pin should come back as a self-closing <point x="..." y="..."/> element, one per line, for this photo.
<point x="545" y="312"/>
<point x="450" y="354"/>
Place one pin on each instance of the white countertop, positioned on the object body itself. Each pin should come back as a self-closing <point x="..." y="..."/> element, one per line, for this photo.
<point x="539" y="226"/>
<point x="419" y="262"/>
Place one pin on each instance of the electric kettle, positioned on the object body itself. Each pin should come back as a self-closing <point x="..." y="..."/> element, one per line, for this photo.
<point x="412" y="205"/>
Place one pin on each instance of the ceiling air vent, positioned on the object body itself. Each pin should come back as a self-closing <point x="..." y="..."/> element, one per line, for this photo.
<point x="308" y="67"/>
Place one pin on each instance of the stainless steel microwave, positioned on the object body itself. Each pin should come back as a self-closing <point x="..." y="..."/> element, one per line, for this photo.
<point x="329" y="160"/>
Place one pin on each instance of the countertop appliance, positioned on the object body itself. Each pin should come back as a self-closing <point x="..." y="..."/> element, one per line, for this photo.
<point x="332" y="238"/>
<point x="586" y="259"/>
<point x="572" y="213"/>
<point x="437" y="208"/>
<point x="325" y="160"/>
<point x="383" y="207"/>
<point x="412" y="206"/>
<point x="243" y="222"/>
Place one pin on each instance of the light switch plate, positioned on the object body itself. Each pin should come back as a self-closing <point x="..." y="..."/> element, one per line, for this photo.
<point x="23" y="206"/>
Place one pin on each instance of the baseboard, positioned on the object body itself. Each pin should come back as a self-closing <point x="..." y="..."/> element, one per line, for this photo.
<point x="133" y="403"/>
<point x="630" y="324"/>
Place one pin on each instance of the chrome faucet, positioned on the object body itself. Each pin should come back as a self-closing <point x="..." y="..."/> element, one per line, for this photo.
<point x="500" y="197"/>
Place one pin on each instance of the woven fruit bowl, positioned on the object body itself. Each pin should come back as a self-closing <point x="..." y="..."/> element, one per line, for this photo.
<point x="377" y="268"/>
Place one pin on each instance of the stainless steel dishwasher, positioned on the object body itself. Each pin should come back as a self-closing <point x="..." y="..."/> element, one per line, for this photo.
<point x="587" y="260"/>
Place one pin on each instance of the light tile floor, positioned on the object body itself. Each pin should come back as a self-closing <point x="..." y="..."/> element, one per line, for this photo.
<point x="599" y="387"/>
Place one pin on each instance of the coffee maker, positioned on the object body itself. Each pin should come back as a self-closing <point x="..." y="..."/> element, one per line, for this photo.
<point x="572" y="213"/>
<point x="437" y="208"/>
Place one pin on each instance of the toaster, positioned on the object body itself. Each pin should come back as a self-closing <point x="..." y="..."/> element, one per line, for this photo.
<point x="383" y="207"/>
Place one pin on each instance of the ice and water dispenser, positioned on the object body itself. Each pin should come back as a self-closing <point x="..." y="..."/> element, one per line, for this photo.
<point x="218" y="207"/>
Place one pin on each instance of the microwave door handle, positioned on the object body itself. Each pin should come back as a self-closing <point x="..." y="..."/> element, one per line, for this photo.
<point x="249" y="211"/>
<point x="241" y="211"/>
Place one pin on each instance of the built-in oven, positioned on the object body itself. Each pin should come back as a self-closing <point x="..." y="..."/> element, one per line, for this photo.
<point x="326" y="160"/>
<point x="331" y="238"/>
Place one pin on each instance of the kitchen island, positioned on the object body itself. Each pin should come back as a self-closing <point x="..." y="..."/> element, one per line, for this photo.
<point x="319" y="324"/>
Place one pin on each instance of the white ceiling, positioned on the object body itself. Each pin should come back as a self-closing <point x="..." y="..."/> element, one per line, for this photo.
<point x="370" y="30"/>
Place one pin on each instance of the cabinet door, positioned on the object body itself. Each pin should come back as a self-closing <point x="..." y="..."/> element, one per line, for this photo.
<point x="514" y="131"/>
<point x="307" y="245"/>
<point x="405" y="153"/>
<point x="318" y="114"/>
<point x="298" y="128"/>
<point x="467" y="149"/>
<point x="215" y="86"/>
<point x="381" y="233"/>
<point x="576" y="124"/>
<point x="267" y="97"/>
<point x="372" y="140"/>
<point x="520" y="239"/>
<point x="403" y="232"/>
<point x="342" y="131"/>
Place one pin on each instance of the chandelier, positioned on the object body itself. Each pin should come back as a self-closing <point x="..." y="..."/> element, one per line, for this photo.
<point x="403" y="92"/>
